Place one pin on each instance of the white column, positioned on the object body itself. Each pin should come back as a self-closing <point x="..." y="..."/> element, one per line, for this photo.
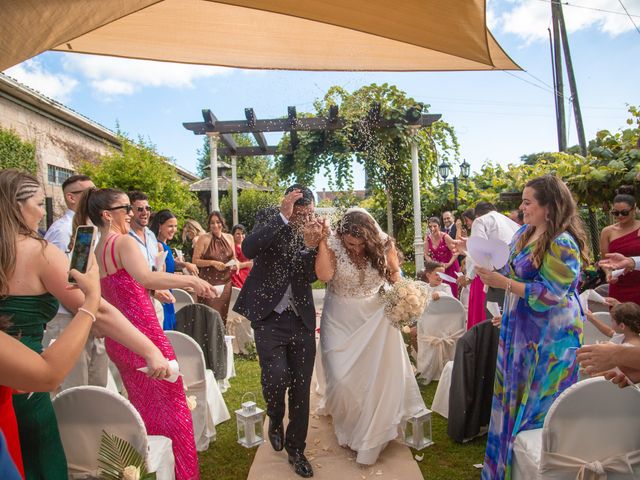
<point x="213" y="146"/>
<point x="234" y="190"/>
<point x="418" y="241"/>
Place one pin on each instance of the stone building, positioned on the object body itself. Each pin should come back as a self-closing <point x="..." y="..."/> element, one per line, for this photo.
<point x="63" y="138"/>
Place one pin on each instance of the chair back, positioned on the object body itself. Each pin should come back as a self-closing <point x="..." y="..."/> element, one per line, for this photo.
<point x="603" y="289"/>
<point x="591" y="333"/>
<point x="83" y="413"/>
<point x="235" y="291"/>
<point x="182" y="298"/>
<point x="189" y="356"/>
<point x="442" y="317"/>
<point x="590" y="423"/>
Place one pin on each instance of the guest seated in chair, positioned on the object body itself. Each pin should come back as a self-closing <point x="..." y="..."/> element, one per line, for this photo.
<point x="625" y="324"/>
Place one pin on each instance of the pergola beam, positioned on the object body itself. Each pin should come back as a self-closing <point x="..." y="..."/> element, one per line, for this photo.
<point x="250" y="114"/>
<point x="210" y="121"/>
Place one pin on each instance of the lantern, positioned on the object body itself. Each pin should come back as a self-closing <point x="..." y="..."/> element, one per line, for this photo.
<point x="417" y="431"/>
<point x="444" y="170"/>
<point x="250" y="419"/>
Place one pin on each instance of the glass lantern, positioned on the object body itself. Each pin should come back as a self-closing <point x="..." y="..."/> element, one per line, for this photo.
<point x="417" y="431"/>
<point x="249" y="420"/>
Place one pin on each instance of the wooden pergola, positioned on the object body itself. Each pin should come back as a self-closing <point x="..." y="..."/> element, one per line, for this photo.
<point x="221" y="130"/>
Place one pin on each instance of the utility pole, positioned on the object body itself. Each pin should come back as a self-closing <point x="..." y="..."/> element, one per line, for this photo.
<point x="558" y="84"/>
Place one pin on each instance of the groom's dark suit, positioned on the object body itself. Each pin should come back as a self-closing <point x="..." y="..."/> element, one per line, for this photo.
<point x="285" y="342"/>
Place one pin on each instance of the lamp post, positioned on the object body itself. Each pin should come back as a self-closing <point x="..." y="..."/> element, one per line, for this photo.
<point x="444" y="170"/>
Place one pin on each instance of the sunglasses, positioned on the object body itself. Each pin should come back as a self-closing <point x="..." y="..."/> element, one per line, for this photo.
<point x="142" y="209"/>
<point x="620" y="213"/>
<point x="128" y="208"/>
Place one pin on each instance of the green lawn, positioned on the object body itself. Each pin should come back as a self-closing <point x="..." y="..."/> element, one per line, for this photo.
<point x="227" y="460"/>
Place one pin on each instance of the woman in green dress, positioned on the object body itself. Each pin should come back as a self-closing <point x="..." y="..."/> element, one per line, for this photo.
<point x="33" y="275"/>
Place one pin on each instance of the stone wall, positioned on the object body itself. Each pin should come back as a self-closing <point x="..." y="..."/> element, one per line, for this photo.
<point x="57" y="144"/>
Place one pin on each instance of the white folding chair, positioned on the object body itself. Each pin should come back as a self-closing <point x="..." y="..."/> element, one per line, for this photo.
<point x="182" y="298"/>
<point x="590" y="431"/>
<point x="84" y="412"/>
<point x="439" y="328"/>
<point x="210" y="407"/>
<point x="591" y="334"/>
<point x="603" y="289"/>
<point x="238" y="326"/>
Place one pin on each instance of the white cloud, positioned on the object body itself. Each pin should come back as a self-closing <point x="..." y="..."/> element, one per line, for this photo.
<point x="530" y="19"/>
<point x="54" y="85"/>
<point x="121" y="76"/>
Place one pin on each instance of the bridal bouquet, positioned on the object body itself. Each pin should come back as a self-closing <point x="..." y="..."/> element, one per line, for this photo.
<point x="404" y="302"/>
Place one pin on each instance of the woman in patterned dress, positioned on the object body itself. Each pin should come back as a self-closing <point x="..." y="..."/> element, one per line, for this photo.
<point x="542" y="321"/>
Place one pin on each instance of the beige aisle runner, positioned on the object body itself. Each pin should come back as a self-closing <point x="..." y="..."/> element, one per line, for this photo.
<point x="329" y="460"/>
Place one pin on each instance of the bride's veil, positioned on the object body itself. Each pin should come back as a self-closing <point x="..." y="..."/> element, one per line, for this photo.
<point x="383" y="235"/>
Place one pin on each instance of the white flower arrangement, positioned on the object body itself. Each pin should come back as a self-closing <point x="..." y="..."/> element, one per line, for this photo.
<point x="131" y="473"/>
<point x="192" y="402"/>
<point x="404" y="302"/>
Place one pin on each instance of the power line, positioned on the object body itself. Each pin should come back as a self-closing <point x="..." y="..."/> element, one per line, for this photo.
<point x="559" y="2"/>
<point x="627" y="12"/>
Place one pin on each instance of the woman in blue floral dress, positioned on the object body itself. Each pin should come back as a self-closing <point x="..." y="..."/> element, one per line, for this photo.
<point x="542" y="322"/>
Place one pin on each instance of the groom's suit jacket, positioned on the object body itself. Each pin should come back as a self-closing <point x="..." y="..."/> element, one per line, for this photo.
<point x="279" y="259"/>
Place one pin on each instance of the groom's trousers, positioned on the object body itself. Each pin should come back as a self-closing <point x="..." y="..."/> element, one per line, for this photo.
<point x="286" y="349"/>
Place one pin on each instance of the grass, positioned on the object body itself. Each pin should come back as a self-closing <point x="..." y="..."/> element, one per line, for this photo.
<point x="227" y="460"/>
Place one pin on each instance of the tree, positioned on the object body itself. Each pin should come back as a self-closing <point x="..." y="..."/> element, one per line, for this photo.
<point x="255" y="169"/>
<point x="249" y="202"/>
<point x="16" y="153"/>
<point x="140" y="167"/>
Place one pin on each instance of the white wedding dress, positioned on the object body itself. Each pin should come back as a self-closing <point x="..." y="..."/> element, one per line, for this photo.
<point x="369" y="387"/>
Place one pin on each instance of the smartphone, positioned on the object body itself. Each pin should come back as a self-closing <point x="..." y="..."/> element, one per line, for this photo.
<point x="82" y="248"/>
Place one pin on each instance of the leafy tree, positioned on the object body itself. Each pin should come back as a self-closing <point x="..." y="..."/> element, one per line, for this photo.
<point x="255" y="169"/>
<point x="17" y="153"/>
<point x="140" y="167"/>
<point x="249" y="203"/>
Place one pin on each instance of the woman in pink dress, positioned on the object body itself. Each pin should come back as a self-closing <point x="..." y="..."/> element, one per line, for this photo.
<point x="623" y="237"/>
<point x="126" y="279"/>
<point x="440" y="249"/>
<point x="244" y="264"/>
<point x="477" y="296"/>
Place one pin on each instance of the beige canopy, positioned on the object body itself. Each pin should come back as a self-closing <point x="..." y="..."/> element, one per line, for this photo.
<point x="368" y="35"/>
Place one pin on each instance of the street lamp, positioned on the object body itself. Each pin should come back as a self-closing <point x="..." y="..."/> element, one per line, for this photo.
<point x="444" y="169"/>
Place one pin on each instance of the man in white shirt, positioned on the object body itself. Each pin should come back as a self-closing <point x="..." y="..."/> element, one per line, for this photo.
<point x="147" y="243"/>
<point x="491" y="225"/>
<point x="92" y="366"/>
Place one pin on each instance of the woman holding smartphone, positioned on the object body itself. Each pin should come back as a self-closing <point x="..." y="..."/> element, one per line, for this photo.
<point x="126" y="279"/>
<point x="33" y="278"/>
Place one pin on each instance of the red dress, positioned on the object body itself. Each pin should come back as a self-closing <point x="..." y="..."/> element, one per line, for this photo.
<point x="627" y="288"/>
<point x="9" y="427"/>
<point x="238" y="278"/>
<point x="441" y="253"/>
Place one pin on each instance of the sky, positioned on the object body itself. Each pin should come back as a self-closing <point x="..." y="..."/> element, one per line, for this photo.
<point x="498" y="116"/>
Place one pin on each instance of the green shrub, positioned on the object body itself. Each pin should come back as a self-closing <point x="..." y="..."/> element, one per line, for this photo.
<point x="249" y="203"/>
<point x="16" y="153"/>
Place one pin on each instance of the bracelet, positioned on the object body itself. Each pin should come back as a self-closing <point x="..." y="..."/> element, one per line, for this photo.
<point x="84" y="310"/>
<point x="508" y="289"/>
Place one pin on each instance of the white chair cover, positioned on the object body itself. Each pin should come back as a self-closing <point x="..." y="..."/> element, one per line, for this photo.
<point x="590" y="432"/>
<point x="318" y="297"/>
<point x="591" y="333"/>
<point x="441" y="398"/>
<point x="603" y="289"/>
<point x="182" y="298"/>
<point x="239" y="327"/>
<point x="210" y="407"/>
<point x="439" y="328"/>
<point x="84" y="412"/>
<point x="224" y="384"/>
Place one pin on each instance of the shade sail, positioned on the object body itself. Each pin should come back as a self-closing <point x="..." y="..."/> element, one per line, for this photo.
<point x="340" y="35"/>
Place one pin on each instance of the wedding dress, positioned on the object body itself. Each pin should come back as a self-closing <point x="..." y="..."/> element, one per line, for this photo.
<point x="369" y="386"/>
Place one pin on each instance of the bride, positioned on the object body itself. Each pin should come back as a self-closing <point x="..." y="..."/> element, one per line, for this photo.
<point x="369" y="384"/>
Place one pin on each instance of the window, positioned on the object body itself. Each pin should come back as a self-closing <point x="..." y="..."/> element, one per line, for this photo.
<point x="57" y="175"/>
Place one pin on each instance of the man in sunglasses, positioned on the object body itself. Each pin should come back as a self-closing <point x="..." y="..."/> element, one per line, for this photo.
<point x="92" y="366"/>
<point x="147" y="242"/>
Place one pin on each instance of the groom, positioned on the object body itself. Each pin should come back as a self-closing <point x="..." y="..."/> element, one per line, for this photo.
<point x="277" y="299"/>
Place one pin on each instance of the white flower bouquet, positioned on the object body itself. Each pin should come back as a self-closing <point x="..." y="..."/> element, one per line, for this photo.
<point x="404" y="302"/>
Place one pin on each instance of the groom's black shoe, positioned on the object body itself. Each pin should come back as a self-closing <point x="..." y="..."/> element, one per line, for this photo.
<point x="276" y="435"/>
<point x="301" y="465"/>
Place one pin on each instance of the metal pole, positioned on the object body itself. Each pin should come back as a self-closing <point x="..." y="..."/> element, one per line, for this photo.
<point x="213" y="157"/>
<point x="234" y="190"/>
<point x="418" y="241"/>
<point x="558" y="83"/>
<point x="455" y="192"/>
<point x="389" y="214"/>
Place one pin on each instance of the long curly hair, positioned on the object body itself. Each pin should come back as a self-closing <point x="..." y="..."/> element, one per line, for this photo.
<point x="16" y="186"/>
<point x="361" y="225"/>
<point x="551" y="192"/>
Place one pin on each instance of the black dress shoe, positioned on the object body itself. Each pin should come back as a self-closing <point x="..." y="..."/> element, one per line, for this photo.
<point x="301" y="465"/>
<point x="276" y="435"/>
